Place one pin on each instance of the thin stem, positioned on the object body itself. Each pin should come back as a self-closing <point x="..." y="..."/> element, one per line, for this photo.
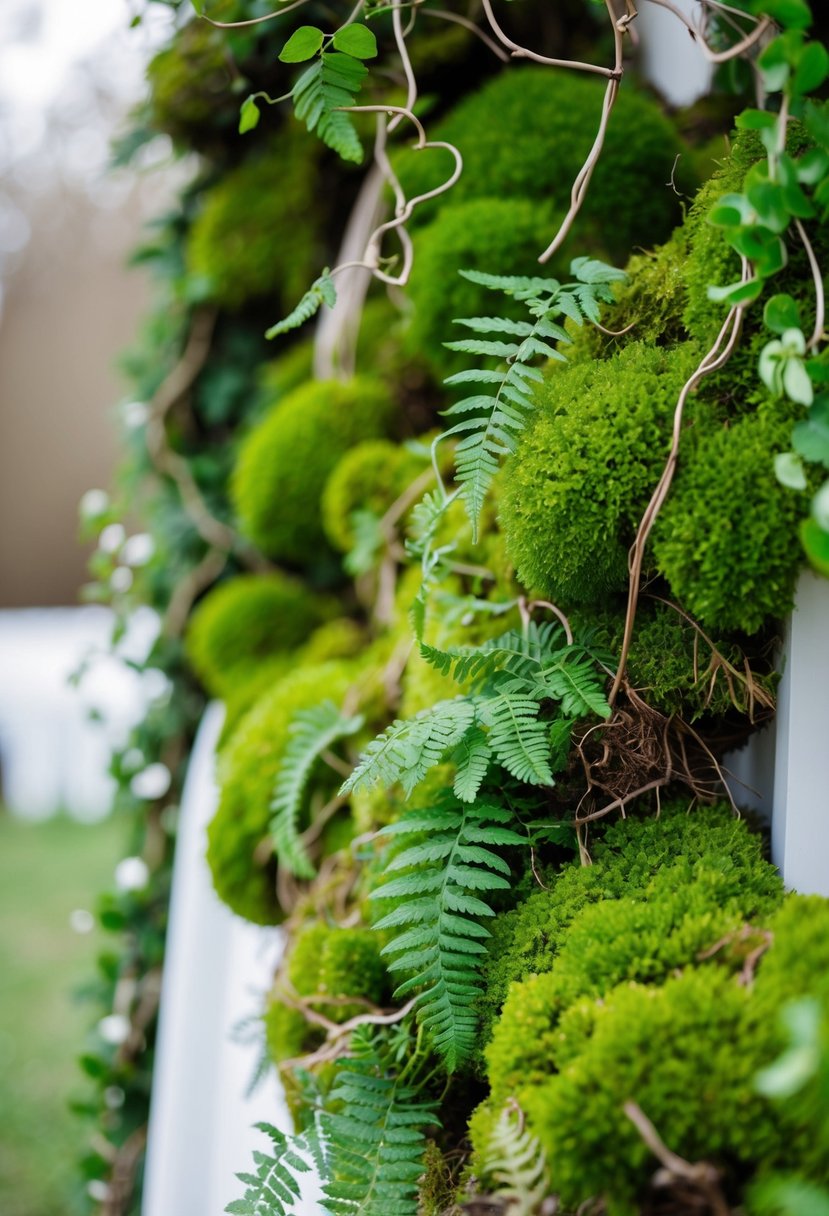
<point x="467" y="25"/>
<point x="820" y="298"/>
<point x="523" y="52"/>
<point x="733" y="52"/>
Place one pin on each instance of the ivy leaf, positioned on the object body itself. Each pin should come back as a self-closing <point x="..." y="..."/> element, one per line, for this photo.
<point x="248" y="115"/>
<point x="781" y="313"/>
<point x="302" y="45"/>
<point x="810" y="438"/>
<point x="788" y="469"/>
<point x="812" y="68"/>
<point x="356" y="40"/>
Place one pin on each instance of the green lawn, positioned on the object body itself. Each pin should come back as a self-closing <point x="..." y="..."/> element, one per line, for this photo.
<point x="46" y="871"/>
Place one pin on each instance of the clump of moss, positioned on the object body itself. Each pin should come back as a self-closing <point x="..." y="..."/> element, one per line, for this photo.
<point x="526" y="134"/>
<point x="370" y="477"/>
<point x="585" y="468"/>
<point x="496" y="235"/>
<point x="190" y="83"/>
<point x="246" y="621"/>
<point x="287" y="458"/>
<point x="239" y="247"/>
<point x="631" y="859"/>
<point x="238" y="849"/>
<point x="672" y="666"/>
<point x="726" y="538"/>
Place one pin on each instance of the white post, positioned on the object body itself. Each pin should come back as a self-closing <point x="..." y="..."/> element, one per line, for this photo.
<point x="800" y="822"/>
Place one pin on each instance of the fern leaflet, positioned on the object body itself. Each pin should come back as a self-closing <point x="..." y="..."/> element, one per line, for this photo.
<point x="516" y="1163"/>
<point x="321" y="291"/>
<point x="451" y="864"/>
<point x="329" y="83"/>
<point x="375" y="1135"/>
<point x="491" y="422"/>
<point x="408" y="748"/>
<point x="517" y="736"/>
<point x="273" y="1190"/>
<point x="311" y="733"/>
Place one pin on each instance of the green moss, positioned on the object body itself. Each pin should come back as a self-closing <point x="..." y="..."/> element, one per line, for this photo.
<point x="727" y="537"/>
<point x="575" y="490"/>
<point x="247" y="621"/>
<point x="190" y="82"/>
<point x="238" y="852"/>
<point x="795" y="964"/>
<point x="633" y="858"/>
<point x="526" y="134"/>
<point x="287" y="458"/>
<point x="370" y="477"/>
<point x="279" y="377"/>
<point x="257" y="234"/>
<point x="497" y="235"/>
<point x="670" y="663"/>
<point x="683" y="1054"/>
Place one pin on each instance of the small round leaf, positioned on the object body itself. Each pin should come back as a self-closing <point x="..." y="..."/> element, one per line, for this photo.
<point x="356" y="40"/>
<point x="303" y="44"/>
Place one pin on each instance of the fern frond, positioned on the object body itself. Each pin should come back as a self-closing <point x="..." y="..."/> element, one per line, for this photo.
<point x="516" y="1163"/>
<point x="571" y="679"/>
<point x="471" y="759"/>
<point x="312" y="732"/>
<point x="329" y="83"/>
<point x="322" y="291"/>
<point x="510" y="284"/>
<point x="375" y="1135"/>
<point x="442" y="944"/>
<point x="273" y="1190"/>
<point x="517" y="736"/>
<point x="407" y="749"/>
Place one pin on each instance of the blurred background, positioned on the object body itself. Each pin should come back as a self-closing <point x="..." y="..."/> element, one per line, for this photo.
<point x="68" y="305"/>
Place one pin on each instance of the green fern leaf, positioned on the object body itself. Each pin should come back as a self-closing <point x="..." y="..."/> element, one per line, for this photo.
<point x="517" y="736"/>
<point x="329" y="83"/>
<point x="273" y="1190"/>
<point x="322" y="291"/>
<point x="408" y="749"/>
<point x="571" y="680"/>
<point x="312" y="732"/>
<point x="471" y="759"/>
<point x="375" y="1134"/>
<point x="515" y="1161"/>
<point x="442" y="944"/>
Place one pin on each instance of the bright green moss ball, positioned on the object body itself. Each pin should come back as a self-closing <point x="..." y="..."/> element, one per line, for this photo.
<point x="727" y="536"/>
<point x="238" y="851"/>
<point x="258" y="233"/>
<point x="244" y="622"/>
<point x="585" y="468"/>
<point x="287" y="458"/>
<point x="526" y="134"/>
<point x="496" y="235"/>
<point x="370" y="477"/>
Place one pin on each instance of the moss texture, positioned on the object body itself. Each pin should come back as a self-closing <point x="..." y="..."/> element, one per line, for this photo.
<point x="243" y="870"/>
<point x="258" y="233"/>
<point x="247" y="621"/>
<point x="370" y="477"/>
<point x="585" y="468"/>
<point x="526" y="134"/>
<point x="286" y="460"/>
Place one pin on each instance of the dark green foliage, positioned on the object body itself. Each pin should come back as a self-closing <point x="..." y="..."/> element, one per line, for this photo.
<point x="628" y="860"/>
<point x="496" y="235"/>
<point x="525" y="135"/>
<point x="585" y="468"/>
<point x="238" y="248"/>
<point x="441" y="897"/>
<point x="190" y="83"/>
<point x="238" y="848"/>
<point x="726" y="537"/>
<point x="247" y="621"/>
<point x="374" y="1131"/>
<point x="286" y="460"/>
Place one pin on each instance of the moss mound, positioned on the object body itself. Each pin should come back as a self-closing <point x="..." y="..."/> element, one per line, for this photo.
<point x="247" y="621"/>
<point x="286" y="460"/>
<point x="258" y="233"/>
<point x="369" y="478"/>
<point x="585" y="468"/>
<point x="526" y="134"/>
<point x="238" y="850"/>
